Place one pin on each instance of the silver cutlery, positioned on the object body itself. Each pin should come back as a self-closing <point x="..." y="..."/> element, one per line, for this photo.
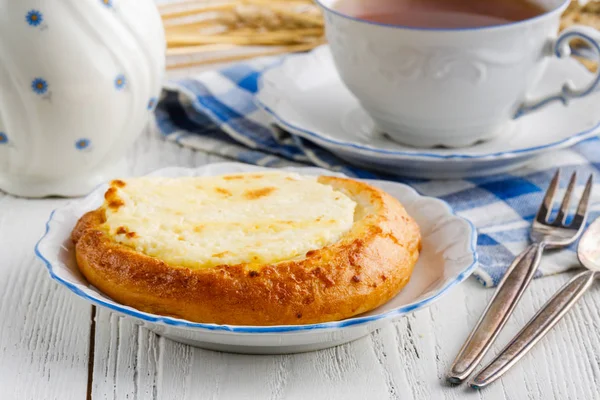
<point x="589" y="256"/>
<point x="545" y="234"/>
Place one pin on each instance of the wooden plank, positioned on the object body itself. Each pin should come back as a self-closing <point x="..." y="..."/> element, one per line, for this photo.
<point x="195" y="373"/>
<point x="125" y="359"/>
<point x="45" y="329"/>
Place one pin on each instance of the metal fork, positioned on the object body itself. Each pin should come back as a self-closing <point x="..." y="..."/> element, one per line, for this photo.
<point x="589" y="256"/>
<point x="545" y="234"/>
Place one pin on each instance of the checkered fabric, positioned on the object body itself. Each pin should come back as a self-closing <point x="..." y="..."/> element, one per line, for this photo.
<point x="215" y="112"/>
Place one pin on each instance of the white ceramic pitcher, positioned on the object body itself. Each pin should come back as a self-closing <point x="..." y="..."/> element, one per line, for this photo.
<point x="79" y="80"/>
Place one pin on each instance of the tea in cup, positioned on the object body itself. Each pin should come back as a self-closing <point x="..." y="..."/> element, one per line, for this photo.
<point x="450" y="72"/>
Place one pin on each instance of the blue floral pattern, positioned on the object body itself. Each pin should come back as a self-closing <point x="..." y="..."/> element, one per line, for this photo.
<point x="3" y="138"/>
<point x="82" y="144"/>
<point x="39" y="86"/>
<point x="34" y="18"/>
<point x="107" y="3"/>
<point x="151" y="103"/>
<point x="120" y="82"/>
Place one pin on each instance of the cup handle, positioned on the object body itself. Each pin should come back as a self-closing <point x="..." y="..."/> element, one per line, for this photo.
<point x="562" y="49"/>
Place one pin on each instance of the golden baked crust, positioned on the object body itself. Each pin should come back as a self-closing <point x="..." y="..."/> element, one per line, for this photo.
<point x="368" y="266"/>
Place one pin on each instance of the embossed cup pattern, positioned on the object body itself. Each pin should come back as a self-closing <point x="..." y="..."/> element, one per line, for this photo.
<point x="78" y="82"/>
<point x="440" y="87"/>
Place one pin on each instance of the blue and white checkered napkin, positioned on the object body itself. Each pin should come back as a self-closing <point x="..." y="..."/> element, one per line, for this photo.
<point x="215" y="112"/>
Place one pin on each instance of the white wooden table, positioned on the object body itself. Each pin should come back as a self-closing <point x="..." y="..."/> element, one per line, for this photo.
<point x="54" y="345"/>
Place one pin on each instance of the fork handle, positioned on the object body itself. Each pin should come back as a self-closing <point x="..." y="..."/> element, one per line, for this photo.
<point x="508" y="294"/>
<point x="536" y="329"/>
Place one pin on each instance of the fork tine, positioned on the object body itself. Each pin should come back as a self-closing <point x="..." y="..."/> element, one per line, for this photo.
<point x="582" y="208"/>
<point x="546" y="207"/>
<point x="566" y="202"/>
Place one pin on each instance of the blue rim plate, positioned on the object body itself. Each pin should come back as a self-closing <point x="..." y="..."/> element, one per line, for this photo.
<point x="269" y="102"/>
<point x="62" y="220"/>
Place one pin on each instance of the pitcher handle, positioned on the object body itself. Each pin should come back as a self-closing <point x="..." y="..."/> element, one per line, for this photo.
<point x="562" y="49"/>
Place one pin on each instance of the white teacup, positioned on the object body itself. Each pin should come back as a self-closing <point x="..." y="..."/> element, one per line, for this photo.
<point x="451" y="87"/>
<point x="79" y="80"/>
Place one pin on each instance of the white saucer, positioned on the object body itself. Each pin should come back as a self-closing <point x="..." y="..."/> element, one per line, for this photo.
<point x="305" y="96"/>
<point x="448" y="258"/>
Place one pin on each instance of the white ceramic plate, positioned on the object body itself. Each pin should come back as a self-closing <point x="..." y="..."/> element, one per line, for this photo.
<point x="305" y="96"/>
<point x="448" y="258"/>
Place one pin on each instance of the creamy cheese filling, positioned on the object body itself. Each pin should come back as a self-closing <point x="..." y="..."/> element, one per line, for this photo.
<point x="202" y="222"/>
